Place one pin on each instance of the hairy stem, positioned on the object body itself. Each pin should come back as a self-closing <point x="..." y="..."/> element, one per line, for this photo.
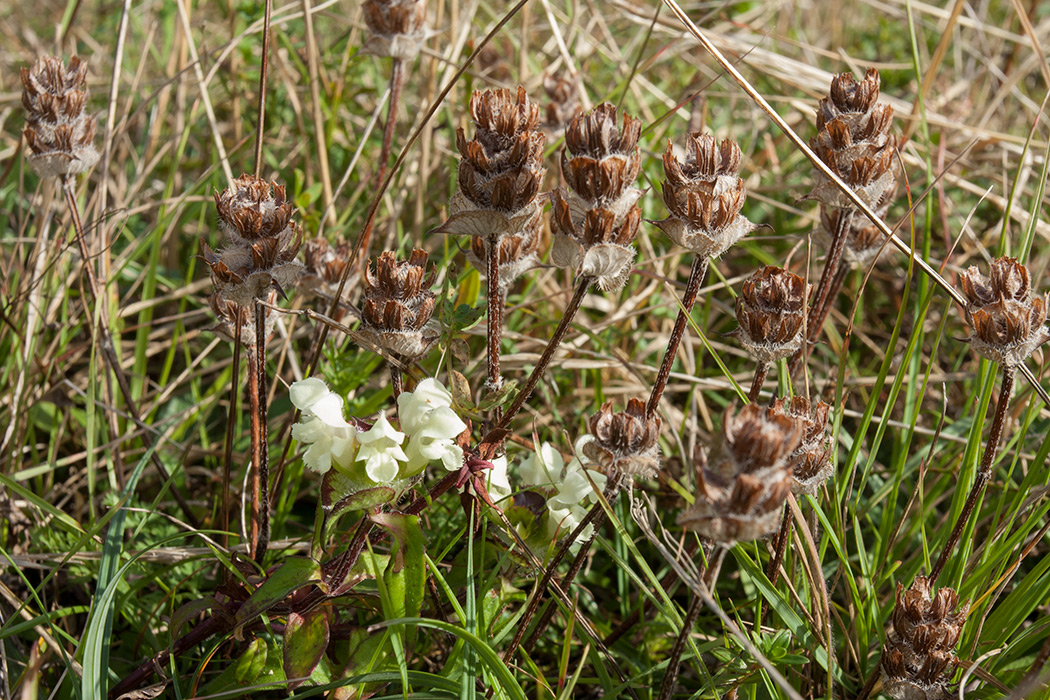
<point x="260" y="513"/>
<point x="397" y="382"/>
<point x="495" y="324"/>
<point x="696" y="278"/>
<point x="761" y="371"/>
<point x="984" y="472"/>
<point x="231" y="421"/>
<point x="582" y="286"/>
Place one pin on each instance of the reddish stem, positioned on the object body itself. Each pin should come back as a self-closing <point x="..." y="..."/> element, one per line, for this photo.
<point x="696" y="278"/>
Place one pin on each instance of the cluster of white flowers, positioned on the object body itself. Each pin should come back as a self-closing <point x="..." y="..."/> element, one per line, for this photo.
<point x="428" y="424"/>
<point x="571" y="492"/>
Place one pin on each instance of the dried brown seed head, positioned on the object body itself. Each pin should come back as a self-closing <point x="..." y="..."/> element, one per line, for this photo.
<point x="1007" y="324"/>
<point x="601" y="161"/>
<point x="60" y="135"/>
<point x="596" y="244"/>
<point x="625" y="442"/>
<point x="770" y="314"/>
<point x="518" y="251"/>
<point x="920" y="647"/>
<point x="744" y="483"/>
<point x="864" y="241"/>
<point x="564" y="95"/>
<point x="325" y="265"/>
<point x="810" y="462"/>
<point x="705" y="196"/>
<point x="398" y="27"/>
<point x="397" y="305"/>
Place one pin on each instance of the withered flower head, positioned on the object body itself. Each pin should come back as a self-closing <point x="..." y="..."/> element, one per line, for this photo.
<point x="744" y="482"/>
<point x="564" y="105"/>
<point x="398" y="27"/>
<point x="770" y="314"/>
<point x="325" y="265"/>
<point x="398" y="304"/>
<point x="500" y="172"/>
<point x="237" y="322"/>
<point x="853" y="139"/>
<point x="262" y="242"/>
<point x="1007" y="324"/>
<point x="864" y="241"/>
<point x="518" y="252"/>
<point x="596" y="217"/>
<point x="920" y="648"/>
<point x="810" y="462"/>
<point x="705" y="196"/>
<point x="60" y="135"/>
<point x="625" y="442"/>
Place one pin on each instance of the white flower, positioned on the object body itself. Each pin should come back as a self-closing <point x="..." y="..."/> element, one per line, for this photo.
<point x="381" y="451"/>
<point x="498" y="481"/>
<point x="432" y="426"/>
<point x="573" y="496"/>
<point x="329" y="436"/>
<point x="543" y="467"/>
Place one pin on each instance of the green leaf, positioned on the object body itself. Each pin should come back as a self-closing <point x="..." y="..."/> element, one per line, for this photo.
<point x="293" y="574"/>
<point x="305" y="641"/>
<point x="187" y="612"/>
<point x="252" y="662"/>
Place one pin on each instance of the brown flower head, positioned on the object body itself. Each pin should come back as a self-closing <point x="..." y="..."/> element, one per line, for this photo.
<point x="398" y="27"/>
<point x="564" y="105"/>
<point x="853" y="139"/>
<point x="237" y="322"/>
<point x="325" y="265"/>
<point x="596" y="217"/>
<point x="518" y="252"/>
<point x="398" y="304"/>
<point x="810" y="462"/>
<point x="770" y="314"/>
<point x="743" y="484"/>
<point x="1007" y="324"/>
<point x="60" y="135"/>
<point x="705" y="196"/>
<point x="500" y="174"/>
<point x="864" y="241"/>
<point x="625" y="442"/>
<point x="920" y="648"/>
<point x="262" y="242"/>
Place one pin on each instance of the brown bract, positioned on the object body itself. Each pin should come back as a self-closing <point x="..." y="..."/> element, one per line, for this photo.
<point x="810" y="462"/>
<point x="262" y="242"/>
<point x="853" y="139"/>
<point x="625" y="442"/>
<point x="518" y="252"/>
<point x="59" y="134"/>
<point x="705" y="196"/>
<point x="1007" y="324"/>
<point x="743" y="484"/>
<point x="920" y="647"/>
<point x="500" y="174"/>
<point x="398" y="27"/>
<point x="770" y="314"/>
<point x="398" y="304"/>
<point x="596" y="217"/>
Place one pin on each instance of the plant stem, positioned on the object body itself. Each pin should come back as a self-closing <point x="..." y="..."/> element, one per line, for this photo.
<point x="260" y="121"/>
<point x="582" y="286"/>
<point x="109" y="353"/>
<point x="695" y="604"/>
<point x="495" y="324"/>
<point x="397" y="382"/>
<point x="696" y="278"/>
<point x="761" y="371"/>
<point x="984" y="472"/>
<point x="595" y="515"/>
<point x="260" y="512"/>
<point x="231" y="420"/>
<point x="822" y="293"/>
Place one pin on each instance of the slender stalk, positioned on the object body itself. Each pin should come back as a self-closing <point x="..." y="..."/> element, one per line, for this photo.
<point x="695" y="604"/>
<point x="397" y="381"/>
<point x="495" y="324"/>
<point x="582" y="286"/>
<point x="109" y="354"/>
<point x="261" y="452"/>
<point x="231" y="416"/>
<point x="260" y="121"/>
<point x="595" y="515"/>
<point x="821" y="315"/>
<point x="984" y="472"/>
<point x="696" y="278"/>
<point x="818" y="308"/>
<point x="761" y="371"/>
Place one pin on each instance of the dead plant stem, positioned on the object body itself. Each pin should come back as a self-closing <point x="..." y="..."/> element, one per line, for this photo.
<point x="260" y="121"/>
<point x="696" y="278"/>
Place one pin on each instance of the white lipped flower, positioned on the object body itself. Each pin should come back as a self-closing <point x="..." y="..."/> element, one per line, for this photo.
<point x="431" y="425"/>
<point x="381" y="451"/>
<point x="498" y="480"/>
<point x="542" y="467"/>
<point x="573" y="495"/>
<point x="322" y="427"/>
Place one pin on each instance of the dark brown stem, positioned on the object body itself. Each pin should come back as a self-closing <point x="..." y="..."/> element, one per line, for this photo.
<point x="780" y="546"/>
<point x="761" y="371"/>
<point x="109" y="354"/>
<point x="822" y="293"/>
<point x="548" y="352"/>
<point x="397" y="382"/>
<point x="984" y="472"/>
<point x="397" y="82"/>
<point x="231" y="421"/>
<point x="495" y="324"/>
<point x="260" y="508"/>
<point x="696" y="278"/>
<point x="820" y="315"/>
<point x="260" y="120"/>
<point x="595" y="515"/>
<point x="695" y="604"/>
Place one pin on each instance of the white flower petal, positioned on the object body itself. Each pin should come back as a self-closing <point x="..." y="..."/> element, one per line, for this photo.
<point x="307" y="392"/>
<point x="329" y="408"/>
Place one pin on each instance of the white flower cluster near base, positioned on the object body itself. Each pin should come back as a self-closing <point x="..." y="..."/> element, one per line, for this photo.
<point x="569" y="486"/>
<point x="429" y="428"/>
